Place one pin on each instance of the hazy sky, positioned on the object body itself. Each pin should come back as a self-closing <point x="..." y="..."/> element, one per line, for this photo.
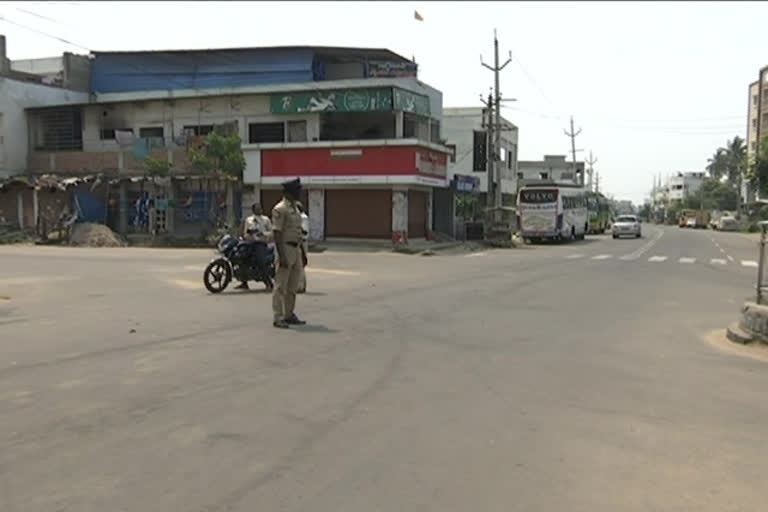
<point x="655" y="86"/>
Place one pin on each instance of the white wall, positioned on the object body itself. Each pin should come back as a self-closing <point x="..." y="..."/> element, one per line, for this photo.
<point x="15" y="96"/>
<point x="458" y="127"/>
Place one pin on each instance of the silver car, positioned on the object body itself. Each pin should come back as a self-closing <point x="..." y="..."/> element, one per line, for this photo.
<point x="626" y="225"/>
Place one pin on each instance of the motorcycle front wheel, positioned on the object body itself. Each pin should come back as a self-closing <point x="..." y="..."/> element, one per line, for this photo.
<point x="217" y="276"/>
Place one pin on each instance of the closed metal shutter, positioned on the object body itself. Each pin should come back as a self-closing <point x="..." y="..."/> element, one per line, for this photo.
<point x="417" y="214"/>
<point x="358" y="213"/>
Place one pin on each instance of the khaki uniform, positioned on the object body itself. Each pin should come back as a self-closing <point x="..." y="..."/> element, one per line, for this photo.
<point x="305" y="245"/>
<point x="287" y="220"/>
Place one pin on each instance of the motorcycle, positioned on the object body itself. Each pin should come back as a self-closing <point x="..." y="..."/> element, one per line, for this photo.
<point x="236" y="259"/>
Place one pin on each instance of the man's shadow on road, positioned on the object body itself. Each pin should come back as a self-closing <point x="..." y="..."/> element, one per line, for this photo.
<point x="313" y="328"/>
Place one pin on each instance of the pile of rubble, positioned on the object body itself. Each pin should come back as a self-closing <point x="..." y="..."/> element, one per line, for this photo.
<point x="94" y="235"/>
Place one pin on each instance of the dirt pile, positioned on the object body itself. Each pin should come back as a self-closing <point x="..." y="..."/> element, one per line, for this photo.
<point x="94" y="235"/>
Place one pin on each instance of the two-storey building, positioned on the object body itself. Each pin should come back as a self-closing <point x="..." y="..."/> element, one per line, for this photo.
<point x="356" y="125"/>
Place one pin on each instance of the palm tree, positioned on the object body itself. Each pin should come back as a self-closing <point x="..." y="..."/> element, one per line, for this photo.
<point x="717" y="164"/>
<point x="736" y="157"/>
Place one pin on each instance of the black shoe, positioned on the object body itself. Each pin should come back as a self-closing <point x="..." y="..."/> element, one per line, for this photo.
<point x="294" y="320"/>
<point x="242" y="286"/>
<point x="280" y="324"/>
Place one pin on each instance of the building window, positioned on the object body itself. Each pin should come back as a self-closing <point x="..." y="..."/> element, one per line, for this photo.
<point x="480" y="151"/>
<point x="452" y="156"/>
<point x="266" y="132"/>
<point x="151" y="132"/>
<point x="520" y="176"/>
<point x="754" y="100"/>
<point x="434" y="131"/>
<point x="297" y="131"/>
<point x="109" y="133"/>
<point x="543" y="175"/>
<point x="198" y="130"/>
<point x="754" y="122"/>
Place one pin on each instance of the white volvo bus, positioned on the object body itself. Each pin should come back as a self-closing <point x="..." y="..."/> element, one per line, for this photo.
<point x="552" y="211"/>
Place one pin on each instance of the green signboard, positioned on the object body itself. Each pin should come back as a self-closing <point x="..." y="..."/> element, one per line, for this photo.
<point x="346" y="100"/>
<point x="407" y="101"/>
<point x="382" y="99"/>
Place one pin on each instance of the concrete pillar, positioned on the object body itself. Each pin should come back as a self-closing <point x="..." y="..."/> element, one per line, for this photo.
<point x="430" y="198"/>
<point x="398" y="125"/>
<point x="120" y="161"/>
<point x="230" y="204"/>
<point x="400" y="215"/>
<point x="123" y="208"/>
<point x="35" y="207"/>
<point x="170" y="211"/>
<point x="316" y="212"/>
<point x="20" y="208"/>
<point x="51" y="162"/>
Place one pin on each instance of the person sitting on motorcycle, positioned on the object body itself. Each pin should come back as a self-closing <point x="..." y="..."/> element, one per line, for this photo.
<point x="257" y="228"/>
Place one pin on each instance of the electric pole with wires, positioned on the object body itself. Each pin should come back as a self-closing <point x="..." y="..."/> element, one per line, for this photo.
<point x="495" y="131"/>
<point x="591" y="161"/>
<point x="572" y="134"/>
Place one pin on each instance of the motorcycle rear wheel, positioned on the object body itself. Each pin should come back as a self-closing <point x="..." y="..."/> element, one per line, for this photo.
<point x="217" y="276"/>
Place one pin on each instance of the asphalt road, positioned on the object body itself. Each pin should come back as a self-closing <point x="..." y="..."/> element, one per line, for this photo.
<point x="579" y="377"/>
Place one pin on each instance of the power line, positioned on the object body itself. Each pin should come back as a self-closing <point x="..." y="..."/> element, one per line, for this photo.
<point x="46" y="34"/>
<point x="36" y="15"/>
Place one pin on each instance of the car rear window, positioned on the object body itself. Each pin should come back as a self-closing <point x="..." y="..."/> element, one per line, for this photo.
<point x="626" y="219"/>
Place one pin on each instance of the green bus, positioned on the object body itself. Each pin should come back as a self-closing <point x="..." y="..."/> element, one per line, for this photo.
<point x="599" y="212"/>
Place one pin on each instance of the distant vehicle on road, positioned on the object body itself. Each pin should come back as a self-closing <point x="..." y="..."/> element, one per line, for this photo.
<point x="690" y="218"/>
<point x="599" y="212"/>
<point x="627" y="225"/>
<point x="727" y="223"/>
<point x="552" y="211"/>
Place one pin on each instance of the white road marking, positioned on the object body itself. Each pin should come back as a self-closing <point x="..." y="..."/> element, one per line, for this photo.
<point x="602" y="257"/>
<point x="722" y="250"/>
<point x="312" y="270"/>
<point x="687" y="260"/>
<point x="655" y="259"/>
<point x="475" y="254"/>
<point x="640" y="251"/>
<point x="574" y="256"/>
<point x="717" y="261"/>
<point x="748" y="263"/>
<point x="730" y="258"/>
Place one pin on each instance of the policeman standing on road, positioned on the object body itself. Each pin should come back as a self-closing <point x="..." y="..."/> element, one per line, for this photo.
<point x="304" y="244"/>
<point x="286" y="229"/>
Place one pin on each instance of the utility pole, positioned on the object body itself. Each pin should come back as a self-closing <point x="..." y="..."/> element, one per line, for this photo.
<point x="487" y="124"/>
<point x="496" y="126"/>
<point x="573" y="135"/>
<point x="597" y="182"/>
<point x="591" y="161"/>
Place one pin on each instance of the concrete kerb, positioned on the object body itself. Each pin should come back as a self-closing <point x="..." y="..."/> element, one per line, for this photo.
<point x="752" y="326"/>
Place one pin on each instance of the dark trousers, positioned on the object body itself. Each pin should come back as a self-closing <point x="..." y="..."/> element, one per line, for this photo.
<point x="257" y="251"/>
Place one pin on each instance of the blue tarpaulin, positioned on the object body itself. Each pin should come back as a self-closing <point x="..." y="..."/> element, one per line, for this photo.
<point x="89" y="208"/>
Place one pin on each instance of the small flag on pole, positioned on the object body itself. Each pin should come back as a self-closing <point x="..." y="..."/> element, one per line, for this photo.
<point x="417" y="16"/>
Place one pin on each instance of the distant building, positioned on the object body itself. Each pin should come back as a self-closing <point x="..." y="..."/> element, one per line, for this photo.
<point x="757" y="122"/>
<point x="63" y="81"/>
<point x="553" y="168"/>
<point x="465" y="134"/>
<point x="684" y="185"/>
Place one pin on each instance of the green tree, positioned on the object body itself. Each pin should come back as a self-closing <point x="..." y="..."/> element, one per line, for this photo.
<point x="757" y="171"/>
<point x="717" y="164"/>
<point x="736" y="157"/>
<point x="221" y="157"/>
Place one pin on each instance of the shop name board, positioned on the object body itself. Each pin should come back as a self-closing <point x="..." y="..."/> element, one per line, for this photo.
<point x="464" y="183"/>
<point x="381" y="99"/>
<point x="386" y="69"/>
<point x="346" y="100"/>
<point x="406" y="101"/>
<point x="431" y="163"/>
